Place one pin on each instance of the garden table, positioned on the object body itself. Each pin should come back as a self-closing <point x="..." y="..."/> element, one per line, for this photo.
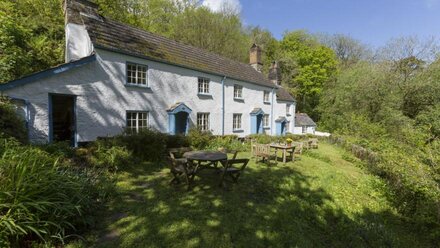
<point x="212" y="157"/>
<point x="286" y="149"/>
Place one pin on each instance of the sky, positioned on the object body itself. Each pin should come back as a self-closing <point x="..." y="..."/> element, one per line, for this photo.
<point x="373" y="22"/>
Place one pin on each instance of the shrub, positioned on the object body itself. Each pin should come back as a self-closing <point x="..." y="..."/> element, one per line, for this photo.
<point x="175" y="141"/>
<point x="43" y="198"/>
<point x="147" y="145"/>
<point x="230" y="142"/>
<point x="199" y="139"/>
<point x="11" y="124"/>
<point x="103" y="154"/>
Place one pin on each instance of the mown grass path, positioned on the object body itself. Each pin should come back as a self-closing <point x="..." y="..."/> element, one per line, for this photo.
<point x="321" y="200"/>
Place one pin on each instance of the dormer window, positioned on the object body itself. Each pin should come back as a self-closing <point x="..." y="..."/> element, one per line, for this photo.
<point x="266" y="97"/>
<point x="137" y="74"/>
<point x="203" y="86"/>
<point x="238" y="91"/>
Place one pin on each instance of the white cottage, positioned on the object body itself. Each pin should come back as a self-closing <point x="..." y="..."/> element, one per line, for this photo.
<point x="304" y="124"/>
<point x="117" y="77"/>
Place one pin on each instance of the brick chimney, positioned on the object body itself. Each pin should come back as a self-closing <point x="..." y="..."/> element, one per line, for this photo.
<point x="255" y="57"/>
<point x="275" y="73"/>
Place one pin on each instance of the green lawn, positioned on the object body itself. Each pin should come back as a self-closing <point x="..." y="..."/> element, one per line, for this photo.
<point x="320" y="200"/>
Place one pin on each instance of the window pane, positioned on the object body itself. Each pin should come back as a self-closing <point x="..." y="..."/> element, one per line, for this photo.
<point x="136" y="74"/>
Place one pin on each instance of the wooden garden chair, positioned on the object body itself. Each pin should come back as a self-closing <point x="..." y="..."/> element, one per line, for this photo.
<point x="181" y="167"/>
<point x="234" y="153"/>
<point x="263" y="151"/>
<point x="313" y="143"/>
<point x="298" y="148"/>
<point x="233" y="169"/>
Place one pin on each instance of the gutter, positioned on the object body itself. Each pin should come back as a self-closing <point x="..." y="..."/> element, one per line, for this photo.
<point x="223" y="105"/>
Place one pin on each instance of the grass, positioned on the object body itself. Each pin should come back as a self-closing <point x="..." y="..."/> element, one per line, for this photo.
<point x="321" y="200"/>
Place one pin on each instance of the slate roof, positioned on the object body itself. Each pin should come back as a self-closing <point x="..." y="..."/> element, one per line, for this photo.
<point x="115" y="36"/>
<point x="119" y="37"/>
<point x="283" y="95"/>
<point x="47" y="73"/>
<point x="302" y="119"/>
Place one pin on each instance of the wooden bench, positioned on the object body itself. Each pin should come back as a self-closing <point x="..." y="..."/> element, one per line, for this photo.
<point x="263" y="151"/>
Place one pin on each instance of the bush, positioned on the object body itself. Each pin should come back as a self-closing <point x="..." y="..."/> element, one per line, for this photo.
<point x="105" y="155"/>
<point x="43" y="198"/>
<point x="199" y="139"/>
<point x="147" y="145"/>
<point x="230" y="142"/>
<point x="176" y="141"/>
<point x="11" y="124"/>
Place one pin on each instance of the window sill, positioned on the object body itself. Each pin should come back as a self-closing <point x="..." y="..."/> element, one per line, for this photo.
<point x="205" y="95"/>
<point x="239" y="99"/>
<point x="265" y="102"/>
<point x="288" y="115"/>
<point x="266" y="127"/>
<point x="237" y="130"/>
<point x="137" y="86"/>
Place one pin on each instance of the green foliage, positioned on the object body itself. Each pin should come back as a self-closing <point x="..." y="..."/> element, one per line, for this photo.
<point x="175" y="141"/>
<point x="105" y="154"/>
<point x="229" y="142"/>
<point x="199" y="139"/>
<point x="307" y="66"/>
<point x="147" y="145"/>
<point x="43" y="198"/>
<point x="11" y="124"/>
<point x="31" y="37"/>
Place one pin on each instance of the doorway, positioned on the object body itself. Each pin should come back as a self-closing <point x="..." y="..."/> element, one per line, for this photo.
<point x="181" y="122"/>
<point x="62" y="118"/>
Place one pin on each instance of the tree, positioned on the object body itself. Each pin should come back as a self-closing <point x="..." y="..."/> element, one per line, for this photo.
<point x="349" y="51"/>
<point x="269" y="45"/>
<point x="31" y="37"/>
<point x="307" y="66"/>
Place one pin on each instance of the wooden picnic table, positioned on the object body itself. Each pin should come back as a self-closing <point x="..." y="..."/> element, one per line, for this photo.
<point x="286" y="149"/>
<point x="212" y="157"/>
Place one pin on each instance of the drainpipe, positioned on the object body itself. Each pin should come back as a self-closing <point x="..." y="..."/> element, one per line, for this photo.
<point x="271" y="112"/>
<point x="223" y="105"/>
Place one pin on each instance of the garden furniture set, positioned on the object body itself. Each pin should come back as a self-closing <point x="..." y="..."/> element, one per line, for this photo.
<point x="187" y="164"/>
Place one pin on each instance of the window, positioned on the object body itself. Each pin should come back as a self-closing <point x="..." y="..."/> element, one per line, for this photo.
<point x="266" y="96"/>
<point x="238" y="91"/>
<point x="236" y="122"/>
<point x="287" y="109"/>
<point x="203" y="86"/>
<point x="136" y="74"/>
<point x="137" y="121"/>
<point x="304" y="129"/>
<point x="288" y="126"/>
<point x="266" y="120"/>
<point x="203" y="121"/>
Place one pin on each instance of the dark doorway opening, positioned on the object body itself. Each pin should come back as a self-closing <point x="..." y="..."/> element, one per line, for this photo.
<point x="181" y="122"/>
<point x="63" y="118"/>
<point x="259" y="123"/>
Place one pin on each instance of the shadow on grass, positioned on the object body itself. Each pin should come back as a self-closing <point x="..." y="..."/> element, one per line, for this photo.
<point x="269" y="207"/>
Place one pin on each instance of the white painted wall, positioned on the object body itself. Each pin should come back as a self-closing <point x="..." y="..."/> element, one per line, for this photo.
<point x="103" y="98"/>
<point x="309" y="130"/>
<point x="280" y="111"/>
<point x="78" y="43"/>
